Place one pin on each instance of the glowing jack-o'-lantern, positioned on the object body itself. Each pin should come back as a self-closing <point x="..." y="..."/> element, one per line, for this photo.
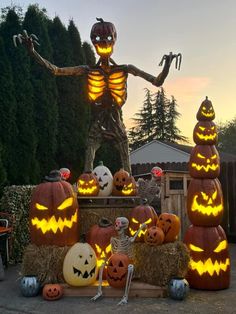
<point x="205" y="133"/>
<point x="105" y="179"/>
<point x="54" y="213"/>
<point x="103" y="36"/>
<point x="205" y="202"/>
<point x="99" y="237"/>
<point x="117" y="270"/>
<point x="80" y="265"/>
<point x="88" y="185"/>
<point x="139" y="215"/>
<point x="204" y="162"/>
<point x="206" y="111"/>
<point x="119" y="180"/>
<point x="154" y="236"/>
<point x="209" y="266"/>
<point x="129" y="188"/>
<point x="170" y="225"/>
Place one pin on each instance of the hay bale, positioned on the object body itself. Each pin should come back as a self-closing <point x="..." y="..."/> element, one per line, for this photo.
<point x="45" y="262"/>
<point x="91" y="216"/>
<point x="157" y="265"/>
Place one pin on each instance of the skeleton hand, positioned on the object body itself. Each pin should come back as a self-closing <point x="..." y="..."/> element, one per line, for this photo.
<point x="169" y="58"/>
<point x="27" y="40"/>
<point x="143" y="226"/>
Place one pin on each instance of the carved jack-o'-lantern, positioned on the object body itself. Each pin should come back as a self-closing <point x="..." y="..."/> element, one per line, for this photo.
<point x="52" y="292"/>
<point x="80" y="265"/>
<point x="103" y="36"/>
<point x="170" y="225"/>
<point x="154" y="236"/>
<point x="205" y="133"/>
<point x="105" y="179"/>
<point x="119" y="180"/>
<point x="99" y="237"/>
<point x="129" y="188"/>
<point x="205" y="202"/>
<point x="139" y="215"/>
<point x="117" y="270"/>
<point x="88" y="185"/>
<point x="209" y="266"/>
<point x="206" y="111"/>
<point x="204" y="162"/>
<point x="54" y="213"/>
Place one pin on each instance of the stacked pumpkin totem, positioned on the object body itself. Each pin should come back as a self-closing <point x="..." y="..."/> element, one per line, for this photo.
<point x="209" y="266"/>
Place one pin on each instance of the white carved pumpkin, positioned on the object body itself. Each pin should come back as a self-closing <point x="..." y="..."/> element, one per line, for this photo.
<point x="105" y="179"/>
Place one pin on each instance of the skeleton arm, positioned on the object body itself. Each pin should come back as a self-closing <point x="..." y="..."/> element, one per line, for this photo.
<point x="132" y="239"/>
<point x="159" y="80"/>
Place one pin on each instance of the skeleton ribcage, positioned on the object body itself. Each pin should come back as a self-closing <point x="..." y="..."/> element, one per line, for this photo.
<point x="121" y="246"/>
<point x="113" y="83"/>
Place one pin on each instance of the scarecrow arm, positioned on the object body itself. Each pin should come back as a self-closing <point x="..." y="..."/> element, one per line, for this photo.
<point x="159" y="80"/>
<point x="29" y="40"/>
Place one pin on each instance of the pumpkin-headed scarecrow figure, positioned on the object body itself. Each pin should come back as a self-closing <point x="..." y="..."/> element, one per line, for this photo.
<point x="119" y="266"/>
<point x="107" y="88"/>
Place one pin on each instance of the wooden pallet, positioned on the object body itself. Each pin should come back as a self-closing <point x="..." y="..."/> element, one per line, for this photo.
<point x="137" y="289"/>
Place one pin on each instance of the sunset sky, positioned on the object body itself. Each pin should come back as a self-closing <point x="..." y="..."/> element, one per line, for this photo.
<point x="203" y="31"/>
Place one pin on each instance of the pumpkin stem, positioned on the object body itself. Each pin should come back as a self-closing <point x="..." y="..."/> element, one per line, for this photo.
<point x="99" y="19"/>
<point x="104" y="223"/>
<point x="83" y="238"/>
<point x="144" y="201"/>
<point x="100" y="163"/>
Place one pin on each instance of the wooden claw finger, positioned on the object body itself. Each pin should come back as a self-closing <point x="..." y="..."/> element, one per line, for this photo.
<point x="34" y="37"/>
<point x="19" y="37"/>
<point x="35" y="42"/>
<point x="14" y="40"/>
<point x="162" y="60"/>
<point x="178" y="61"/>
<point x="25" y="33"/>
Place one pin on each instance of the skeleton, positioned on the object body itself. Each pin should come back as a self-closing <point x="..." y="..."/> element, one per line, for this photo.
<point x="107" y="88"/>
<point x="120" y="244"/>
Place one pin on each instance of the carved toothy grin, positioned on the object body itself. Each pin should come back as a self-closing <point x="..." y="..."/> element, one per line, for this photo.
<point x="212" y="167"/>
<point x="206" y="210"/>
<point x="86" y="274"/>
<point x="87" y="191"/>
<point x="117" y="278"/>
<point x="206" y="137"/>
<point x="209" y="267"/>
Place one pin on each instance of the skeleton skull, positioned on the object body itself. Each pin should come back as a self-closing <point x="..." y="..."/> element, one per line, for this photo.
<point x="121" y="223"/>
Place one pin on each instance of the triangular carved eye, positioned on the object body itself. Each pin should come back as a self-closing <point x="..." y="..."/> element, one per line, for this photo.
<point x="121" y="264"/>
<point x="110" y="264"/>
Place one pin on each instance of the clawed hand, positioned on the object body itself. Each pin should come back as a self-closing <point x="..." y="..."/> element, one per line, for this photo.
<point x="170" y="57"/>
<point x="27" y="40"/>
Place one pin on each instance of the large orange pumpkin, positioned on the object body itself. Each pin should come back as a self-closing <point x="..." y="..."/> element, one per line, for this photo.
<point x="170" y="225"/>
<point x="54" y="213"/>
<point x="205" y="133"/>
<point x="205" y="202"/>
<point x="209" y="267"/>
<point x="88" y="185"/>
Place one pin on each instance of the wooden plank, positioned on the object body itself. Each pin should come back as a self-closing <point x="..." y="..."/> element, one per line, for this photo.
<point x="137" y="289"/>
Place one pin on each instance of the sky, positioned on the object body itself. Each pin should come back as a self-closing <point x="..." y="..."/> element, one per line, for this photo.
<point x="202" y="30"/>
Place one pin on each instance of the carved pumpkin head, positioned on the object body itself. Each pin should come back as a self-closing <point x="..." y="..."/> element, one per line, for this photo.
<point x="119" y="180"/>
<point x="117" y="270"/>
<point x="103" y="36"/>
<point x="205" y="202"/>
<point x="52" y="292"/>
<point x="139" y="215"/>
<point x="129" y="188"/>
<point x="170" y="225"/>
<point x="105" y="179"/>
<point x="54" y="213"/>
<point x="204" y="162"/>
<point x="209" y="266"/>
<point x="206" y="111"/>
<point x="80" y="265"/>
<point x="99" y="237"/>
<point x="88" y="185"/>
<point x="205" y="133"/>
<point x="154" y="236"/>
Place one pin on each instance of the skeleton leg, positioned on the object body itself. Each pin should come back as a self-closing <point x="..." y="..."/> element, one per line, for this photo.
<point x="123" y="148"/>
<point x="99" y="293"/>
<point x="124" y="299"/>
<point x="93" y="144"/>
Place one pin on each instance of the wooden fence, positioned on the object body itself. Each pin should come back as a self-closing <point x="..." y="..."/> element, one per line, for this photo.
<point x="228" y="182"/>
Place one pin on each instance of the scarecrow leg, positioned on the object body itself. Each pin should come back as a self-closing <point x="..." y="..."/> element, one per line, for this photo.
<point x="124" y="299"/>
<point x="99" y="293"/>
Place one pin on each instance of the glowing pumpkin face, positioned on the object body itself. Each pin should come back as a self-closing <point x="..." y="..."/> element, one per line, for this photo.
<point x="206" y="111"/>
<point x="204" y="162"/>
<point x="170" y="225"/>
<point x="88" y="185"/>
<point x="129" y="188"/>
<point x="99" y="237"/>
<point x="139" y="215"/>
<point x="154" y="236"/>
<point x="80" y="265"/>
<point x="209" y="266"/>
<point x="52" y="292"/>
<point x="205" y="133"/>
<point x="205" y="202"/>
<point x="117" y="270"/>
<point x="119" y="180"/>
<point x="54" y="214"/>
<point x="105" y="179"/>
<point x="103" y="36"/>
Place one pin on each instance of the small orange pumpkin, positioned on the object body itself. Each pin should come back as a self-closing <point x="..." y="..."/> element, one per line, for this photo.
<point x="52" y="292"/>
<point x="170" y="224"/>
<point x="129" y="188"/>
<point x="88" y="184"/>
<point x="119" y="181"/>
<point x="154" y="236"/>
<point x="117" y="270"/>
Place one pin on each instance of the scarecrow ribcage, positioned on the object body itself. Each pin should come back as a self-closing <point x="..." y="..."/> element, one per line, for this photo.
<point x="114" y="83"/>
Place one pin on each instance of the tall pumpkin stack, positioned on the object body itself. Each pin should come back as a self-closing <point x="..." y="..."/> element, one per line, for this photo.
<point x="209" y="267"/>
